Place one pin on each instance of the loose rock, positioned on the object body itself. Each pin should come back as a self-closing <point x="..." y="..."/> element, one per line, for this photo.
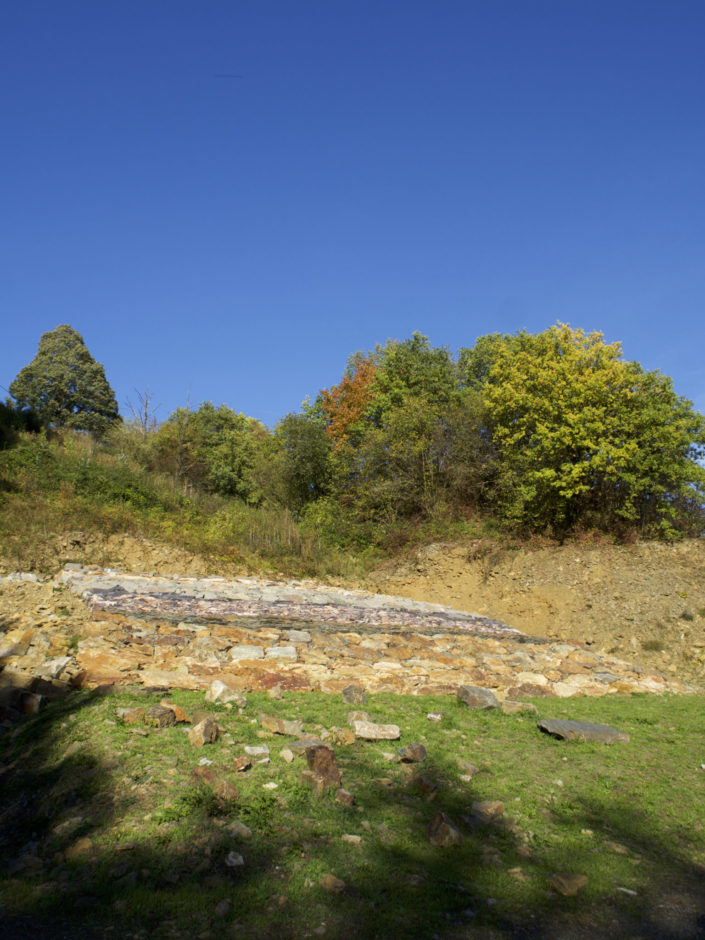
<point x="372" y="732"/>
<point x="568" y="884"/>
<point x="205" y="732"/>
<point x="475" y="697"/>
<point x="442" y="831"/>
<point x="412" y="753"/>
<point x="354" y="695"/>
<point x="582" y="731"/>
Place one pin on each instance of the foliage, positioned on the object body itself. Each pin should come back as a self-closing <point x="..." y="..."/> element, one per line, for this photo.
<point x="411" y="371"/>
<point x="344" y="406"/>
<point x="304" y="459"/>
<point x="211" y="448"/>
<point x="584" y="437"/>
<point x="66" y="386"/>
<point x="14" y="420"/>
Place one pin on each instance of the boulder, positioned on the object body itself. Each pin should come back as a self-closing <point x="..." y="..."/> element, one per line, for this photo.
<point x="369" y="731"/>
<point x="442" y="831"/>
<point x="205" y="732"/>
<point x="475" y="697"/>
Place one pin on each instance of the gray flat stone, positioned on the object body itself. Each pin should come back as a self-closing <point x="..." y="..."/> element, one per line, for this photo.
<point x="581" y="731"/>
<point x="247" y="652"/>
<point x="475" y="697"/>
<point x="281" y="652"/>
<point x="373" y="732"/>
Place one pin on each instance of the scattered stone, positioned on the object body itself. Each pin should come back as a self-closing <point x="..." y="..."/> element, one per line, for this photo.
<point x="467" y="767"/>
<point x="234" y="860"/>
<point x="354" y="695"/>
<point x="222" y="908"/>
<point x="412" y="753"/>
<point x="316" y="784"/>
<point x="485" y="812"/>
<point x="159" y="717"/>
<point x="220" y="692"/>
<point x="281" y="725"/>
<point x="616" y="847"/>
<point x="242" y="763"/>
<point x="581" y="731"/>
<point x="30" y="703"/>
<point x="342" y="736"/>
<point x="351" y="839"/>
<point x="442" y="831"/>
<point x="475" y="697"/>
<point x="435" y="717"/>
<point x="428" y="788"/>
<point x="286" y="754"/>
<point x="275" y="693"/>
<point x="357" y="716"/>
<point x="205" y="732"/>
<point x="568" y="884"/>
<point x="131" y="716"/>
<point x="514" y="708"/>
<point x="179" y="713"/>
<point x="345" y="797"/>
<point x="331" y="884"/>
<point x="299" y="747"/>
<point x="223" y="789"/>
<point x="257" y="750"/>
<point x="321" y="760"/>
<point x="372" y="732"/>
<point x="272" y="785"/>
<point x="239" y="830"/>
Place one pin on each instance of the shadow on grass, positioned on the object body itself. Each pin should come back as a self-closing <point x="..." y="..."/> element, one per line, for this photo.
<point x="68" y="860"/>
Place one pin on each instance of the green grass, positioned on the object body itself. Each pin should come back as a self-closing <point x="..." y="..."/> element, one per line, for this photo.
<point x="628" y="816"/>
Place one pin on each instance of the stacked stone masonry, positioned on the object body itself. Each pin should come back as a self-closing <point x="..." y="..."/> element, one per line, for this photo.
<point x="254" y="634"/>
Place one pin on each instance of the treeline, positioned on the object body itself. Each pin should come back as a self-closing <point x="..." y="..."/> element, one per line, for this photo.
<point x="551" y="432"/>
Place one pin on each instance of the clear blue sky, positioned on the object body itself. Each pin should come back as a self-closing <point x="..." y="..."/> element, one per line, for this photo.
<point x="229" y="198"/>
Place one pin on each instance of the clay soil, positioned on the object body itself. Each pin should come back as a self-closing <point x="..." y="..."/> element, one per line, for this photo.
<point x="644" y="603"/>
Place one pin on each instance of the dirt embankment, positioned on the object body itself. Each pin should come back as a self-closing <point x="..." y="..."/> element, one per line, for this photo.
<point x="643" y="603"/>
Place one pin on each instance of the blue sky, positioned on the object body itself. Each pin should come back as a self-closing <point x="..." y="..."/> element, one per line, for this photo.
<point x="227" y="199"/>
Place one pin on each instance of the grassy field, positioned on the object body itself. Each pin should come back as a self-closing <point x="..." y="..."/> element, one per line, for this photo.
<point x="104" y="825"/>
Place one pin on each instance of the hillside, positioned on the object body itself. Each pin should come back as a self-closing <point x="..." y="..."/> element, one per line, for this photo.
<point x="644" y="603"/>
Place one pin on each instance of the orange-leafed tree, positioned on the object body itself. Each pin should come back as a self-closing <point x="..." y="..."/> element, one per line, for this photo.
<point x="344" y="405"/>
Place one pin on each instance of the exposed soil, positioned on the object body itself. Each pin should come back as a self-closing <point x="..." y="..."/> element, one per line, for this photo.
<point x="643" y="603"/>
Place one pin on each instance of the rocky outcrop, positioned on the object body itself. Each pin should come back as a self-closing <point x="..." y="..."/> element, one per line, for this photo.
<point x="93" y="627"/>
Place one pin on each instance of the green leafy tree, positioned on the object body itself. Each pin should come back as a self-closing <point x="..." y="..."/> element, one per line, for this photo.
<point x="408" y="371"/>
<point x="585" y="438"/>
<point x="214" y="449"/>
<point x="65" y="386"/>
<point x="304" y="459"/>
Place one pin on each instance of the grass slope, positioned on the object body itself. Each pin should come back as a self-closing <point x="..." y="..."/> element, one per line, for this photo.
<point x="104" y="824"/>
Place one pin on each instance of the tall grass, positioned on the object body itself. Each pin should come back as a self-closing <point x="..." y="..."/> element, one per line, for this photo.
<point x="48" y="489"/>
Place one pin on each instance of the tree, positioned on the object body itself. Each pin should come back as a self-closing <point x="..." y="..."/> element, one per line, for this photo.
<point x="343" y="406"/>
<point x="585" y="438"/>
<point x="304" y="459"/>
<point x="214" y="449"/>
<point x="65" y="386"/>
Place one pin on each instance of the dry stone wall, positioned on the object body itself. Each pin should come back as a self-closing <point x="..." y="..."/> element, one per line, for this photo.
<point x="252" y="633"/>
